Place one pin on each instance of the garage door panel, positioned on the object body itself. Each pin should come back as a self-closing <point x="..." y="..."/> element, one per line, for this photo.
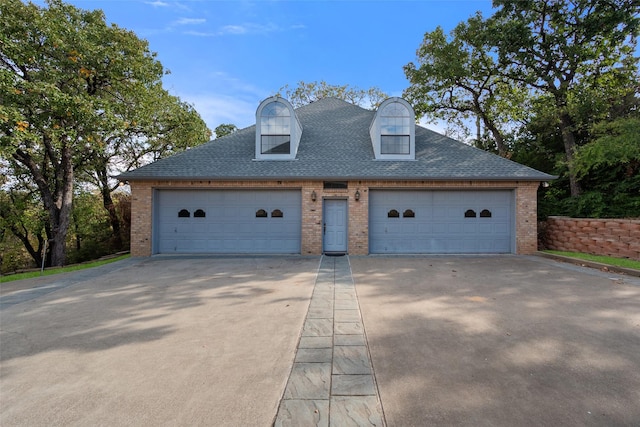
<point x="229" y="224"/>
<point x="440" y="225"/>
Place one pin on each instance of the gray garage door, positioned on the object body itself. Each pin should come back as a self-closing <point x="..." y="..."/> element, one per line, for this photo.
<point x="227" y="221"/>
<point x="440" y="221"/>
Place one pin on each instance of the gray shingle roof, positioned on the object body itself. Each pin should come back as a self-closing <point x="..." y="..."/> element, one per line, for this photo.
<point x="335" y="144"/>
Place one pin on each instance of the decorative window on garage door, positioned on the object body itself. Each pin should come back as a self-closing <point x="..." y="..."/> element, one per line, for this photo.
<point x="184" y="214"/>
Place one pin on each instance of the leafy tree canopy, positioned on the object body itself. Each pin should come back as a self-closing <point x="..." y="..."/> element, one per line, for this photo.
<point x="457" y="79"/>
<point x="225" y="129"/>
<point x="80" y="96"/>
<point x="306" y="93"/>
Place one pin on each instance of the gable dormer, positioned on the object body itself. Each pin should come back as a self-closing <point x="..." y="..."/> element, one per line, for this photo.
<point x="393" y="131"/>
<point x="278" y="130"/>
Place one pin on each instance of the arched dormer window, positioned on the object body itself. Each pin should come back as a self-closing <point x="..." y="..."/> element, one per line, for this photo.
<point x="393" y="130"/>
<point x="275" y="134"/>
<point x="278" y="130"/>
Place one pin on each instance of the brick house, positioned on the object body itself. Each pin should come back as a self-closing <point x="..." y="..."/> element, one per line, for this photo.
<point x="331" y="177"/>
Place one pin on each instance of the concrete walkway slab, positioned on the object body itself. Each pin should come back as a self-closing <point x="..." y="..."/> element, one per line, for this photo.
<point x="501" y="341"/>
<point x="161" y="341"/>
<point x="332" y="382"/>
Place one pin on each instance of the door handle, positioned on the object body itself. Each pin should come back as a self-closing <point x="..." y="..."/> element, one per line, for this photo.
<point x="324" y="228"/>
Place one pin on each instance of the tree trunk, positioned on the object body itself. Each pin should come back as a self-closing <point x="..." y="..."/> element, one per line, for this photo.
<point x="489" y="124"/>
<point x="63" y="208"/>
<point x="23" y="236"/>
<point x="107" y="201"/>
<point x="569" y="140"/>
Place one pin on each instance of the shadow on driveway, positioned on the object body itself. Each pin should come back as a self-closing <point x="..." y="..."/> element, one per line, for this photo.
<point x="500" y="341"/>
<point x="186" y="341"/>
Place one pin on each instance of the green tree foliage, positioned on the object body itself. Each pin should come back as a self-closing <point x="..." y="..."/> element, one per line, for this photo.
<point x="306" y="93"/>
<point x="22" y="218"/>
<point x="616" y="142"/>
<point x="81" y="99"/>
<point x="456" y="79"/>
<point x="559" y="82"/>
<point x="561" y="48"/>
<point x="225" y="129"/>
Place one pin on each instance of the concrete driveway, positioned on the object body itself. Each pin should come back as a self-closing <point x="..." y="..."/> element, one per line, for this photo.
<point x="501" y="341"/>
<point x="496" y="341"/>
<point x="162" y="341"/>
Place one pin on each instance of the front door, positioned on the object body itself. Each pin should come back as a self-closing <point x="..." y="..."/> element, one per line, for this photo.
<point x="335" y="226"/>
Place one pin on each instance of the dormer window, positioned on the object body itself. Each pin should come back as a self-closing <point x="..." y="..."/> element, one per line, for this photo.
<point x="278" y="130"/>
<point x="275" y="133"/>
<point x="393" y="131"/>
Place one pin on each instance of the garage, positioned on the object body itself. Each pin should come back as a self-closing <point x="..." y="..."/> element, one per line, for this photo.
<point x="435" y="222"/>
<point x="227" y="221"/>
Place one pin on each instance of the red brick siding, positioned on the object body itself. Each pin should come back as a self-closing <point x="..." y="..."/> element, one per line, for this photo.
<point x="358" y="227"/>
<point x="609" y="237"/>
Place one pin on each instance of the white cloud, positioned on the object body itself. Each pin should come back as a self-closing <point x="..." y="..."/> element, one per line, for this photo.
<point x="175" y="5"/>
<point x="244" y="29"/>
<point x="157" y="3"/>
<point x="249" y="28"/>
<point x="216" y="109"/>
<point x="190" y="21"/>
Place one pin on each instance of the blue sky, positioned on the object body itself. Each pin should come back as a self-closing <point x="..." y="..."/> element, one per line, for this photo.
<point x="227" y="56"/>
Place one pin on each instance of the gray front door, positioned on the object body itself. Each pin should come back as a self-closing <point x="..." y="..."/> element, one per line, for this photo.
<point x="335" y="226"/>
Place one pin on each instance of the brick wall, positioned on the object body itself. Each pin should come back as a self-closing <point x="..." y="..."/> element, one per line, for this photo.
<point x="358" y="227"/>
<point x="610" y="237"/>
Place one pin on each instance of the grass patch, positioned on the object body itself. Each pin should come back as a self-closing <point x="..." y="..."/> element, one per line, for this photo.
<point x="619" y="262"/>
<point x="57" y="270"/>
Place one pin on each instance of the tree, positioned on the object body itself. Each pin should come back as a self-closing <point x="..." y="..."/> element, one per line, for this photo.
<point x="156" y="125"/>
<point x="306" y="93"/>
<point x="70" y="86"/>
<point x="225" y="129"/>
<point x="20" y="215"/>
<point x="457" y="79"/>
<point x="556" y="48"/>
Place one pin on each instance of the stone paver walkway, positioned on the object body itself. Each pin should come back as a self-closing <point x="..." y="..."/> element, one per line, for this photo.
<point x="332" y="382"/>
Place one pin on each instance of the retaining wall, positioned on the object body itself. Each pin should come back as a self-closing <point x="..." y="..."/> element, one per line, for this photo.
<point x="610" y="237"/>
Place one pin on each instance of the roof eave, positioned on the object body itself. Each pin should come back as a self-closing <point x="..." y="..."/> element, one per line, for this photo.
<point x="124" y="177"/>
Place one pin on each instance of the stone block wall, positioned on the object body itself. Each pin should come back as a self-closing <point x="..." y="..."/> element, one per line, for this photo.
<point x="609" y="237"/>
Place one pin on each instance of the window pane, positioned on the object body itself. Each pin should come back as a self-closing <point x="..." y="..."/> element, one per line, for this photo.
<point x="276" y="109"/>
<point x="335" y="185"/>
<point x="276" y="144"/>
<point x="395" y="109"/>
<point x="394" y="144"/>
<point x="394" y="126"/>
